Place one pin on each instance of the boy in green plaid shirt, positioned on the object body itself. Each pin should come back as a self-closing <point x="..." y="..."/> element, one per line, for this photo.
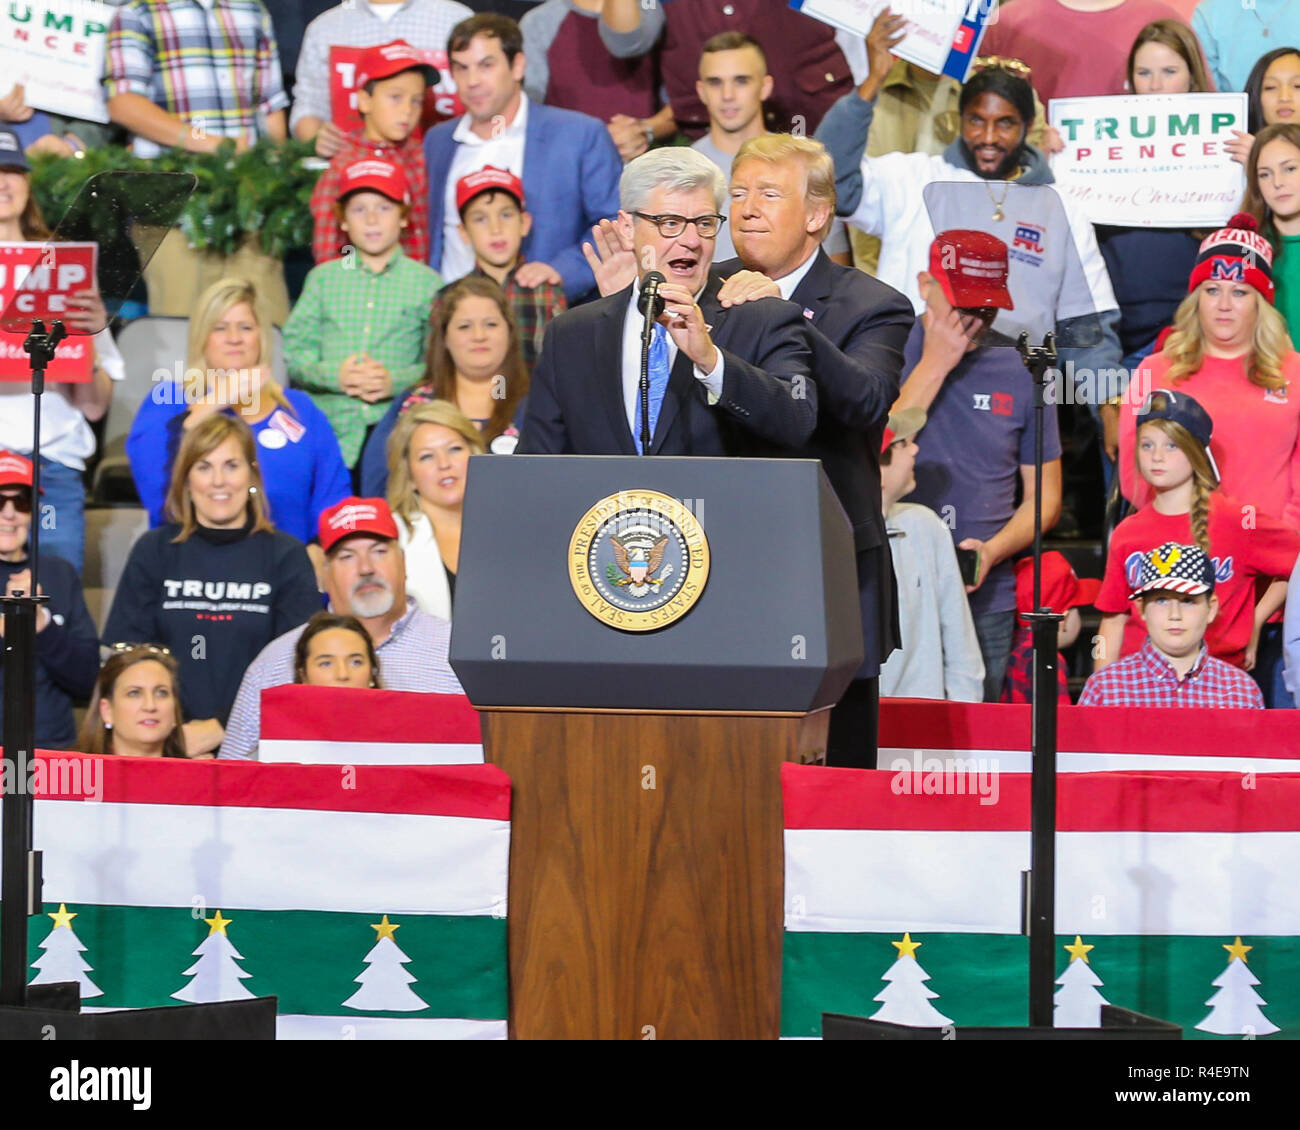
<point x="494" y="223"/>
<point x="358" y="334"/>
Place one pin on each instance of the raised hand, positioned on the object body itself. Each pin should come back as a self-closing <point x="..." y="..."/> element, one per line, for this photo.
<point x="611" y="257"/>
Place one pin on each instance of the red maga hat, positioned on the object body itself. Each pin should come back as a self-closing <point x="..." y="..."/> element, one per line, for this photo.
<point x="356" y="516"/>
<point x="377" y="175"/>
<point x="390" y="59"/>
<point x="971" y="267"/>
<point x="488" y="179"/>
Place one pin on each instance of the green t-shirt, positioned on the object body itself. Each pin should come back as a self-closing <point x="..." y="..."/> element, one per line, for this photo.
<point x="1286" y="281"/>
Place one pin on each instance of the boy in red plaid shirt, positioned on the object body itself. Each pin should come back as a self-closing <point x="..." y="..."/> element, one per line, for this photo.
<point x="1173" y="667"/>
<point x="494" y="222"/>
<point x="391" y="80"/>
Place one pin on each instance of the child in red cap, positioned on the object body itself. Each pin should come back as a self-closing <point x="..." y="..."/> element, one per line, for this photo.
<point x="391" y="81"/>
<point x="494" y="221"/>
<point x="1063" y="592"/>
<point x="358" y="333"/>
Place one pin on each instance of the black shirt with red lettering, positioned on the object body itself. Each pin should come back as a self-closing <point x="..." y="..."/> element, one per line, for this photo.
<point x="215" y="600"/>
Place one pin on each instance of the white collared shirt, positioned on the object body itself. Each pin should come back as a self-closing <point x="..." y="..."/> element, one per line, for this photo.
<point x="633" y="322"/>
<point x="504" y="151"/>
<point x="787" y="283"/>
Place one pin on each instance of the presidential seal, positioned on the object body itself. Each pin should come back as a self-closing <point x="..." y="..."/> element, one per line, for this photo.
<point x="638" y="560"/>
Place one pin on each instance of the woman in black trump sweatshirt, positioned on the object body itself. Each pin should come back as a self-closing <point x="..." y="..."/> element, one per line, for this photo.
<point x="217" y="584"/>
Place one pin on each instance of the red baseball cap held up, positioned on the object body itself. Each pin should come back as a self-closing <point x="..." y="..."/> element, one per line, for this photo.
<point x="487" y="179"/>
<point x="1063" y="588"/>
<point x="971" y="267"/>
<point x="377" y="175"/>
<point x="15" y="471"/>
<point x="390" y="59"/>
<point x="356" y="516"/>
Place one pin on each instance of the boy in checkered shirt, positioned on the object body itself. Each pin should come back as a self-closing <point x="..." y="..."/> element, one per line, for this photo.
<point x="1173" y="667"/>
<point x="391" y="81"/>
<point x="494" y="223"/>
<point x="359" y="332"/>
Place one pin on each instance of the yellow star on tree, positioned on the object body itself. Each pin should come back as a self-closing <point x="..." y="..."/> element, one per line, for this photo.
<point x="1078" y="949"/>
<point x="217" y="924"/>
<point x="385" y="929"/>
<point x="1238" y="950"/>
<point x="62" y="917"/>
<point x="907" y="947"/>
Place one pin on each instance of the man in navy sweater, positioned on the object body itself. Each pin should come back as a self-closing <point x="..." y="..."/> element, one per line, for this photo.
<point x="67" y="649"/>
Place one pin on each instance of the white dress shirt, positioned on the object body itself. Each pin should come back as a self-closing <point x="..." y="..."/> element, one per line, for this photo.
<point x="504" y="151"/>
<point x="633" y="322"/>
<point x="787" y="283"/>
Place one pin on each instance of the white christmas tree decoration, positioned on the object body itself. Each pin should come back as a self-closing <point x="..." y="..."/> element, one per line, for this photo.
<point x="1078" y="1004"/>
<point x="216" y="976"/>
<point x="1234" y="1009"/>
<point x="61" y="960"/>
<point x="906" y="1000"/>
<point x="385" y="985"/>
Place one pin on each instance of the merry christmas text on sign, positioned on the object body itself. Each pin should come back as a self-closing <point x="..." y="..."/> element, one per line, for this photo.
<point x="1150" y="160"/>
<point x="35" y="282"/>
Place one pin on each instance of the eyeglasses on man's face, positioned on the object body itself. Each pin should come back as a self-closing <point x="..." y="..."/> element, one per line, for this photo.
<point x="670" y="226"/>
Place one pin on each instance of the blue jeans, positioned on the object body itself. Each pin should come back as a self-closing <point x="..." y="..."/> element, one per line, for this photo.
<point x="62" y="513"/>
<point x="995" y="630"/>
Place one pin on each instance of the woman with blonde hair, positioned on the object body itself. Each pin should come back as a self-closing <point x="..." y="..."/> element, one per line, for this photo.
<point x="428" y="457"/>
<point x="219" y="582"/>
<point x="475" y="363"/>
<point x="1230" y="350"/>
<point x="136" y="708"/>
<point x="1173" y="456"/>
<point x="229" y="372"/>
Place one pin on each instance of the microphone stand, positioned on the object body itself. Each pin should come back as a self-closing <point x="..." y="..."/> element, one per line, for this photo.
<point x="1038" y="888"/>
<point x="647" y="336"/>
<point x="20" y="866"/>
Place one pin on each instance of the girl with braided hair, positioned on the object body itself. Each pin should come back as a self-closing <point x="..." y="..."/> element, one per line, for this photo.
<point x="1249" y="549"/>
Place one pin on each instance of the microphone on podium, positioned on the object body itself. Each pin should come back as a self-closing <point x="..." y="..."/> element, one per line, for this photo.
<point x="649" y="302"/>
<point x="651" y="306"/>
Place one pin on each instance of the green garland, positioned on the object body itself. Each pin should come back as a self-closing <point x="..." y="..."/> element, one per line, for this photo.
<point x="264" y="192"/>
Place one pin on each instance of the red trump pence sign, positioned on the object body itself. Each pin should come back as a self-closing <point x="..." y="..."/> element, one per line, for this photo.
<point x="36" y="281"/>
<point x="440" y="101"/>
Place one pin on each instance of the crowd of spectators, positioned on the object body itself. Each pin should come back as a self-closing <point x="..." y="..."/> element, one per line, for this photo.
<point x="490" y="199"/>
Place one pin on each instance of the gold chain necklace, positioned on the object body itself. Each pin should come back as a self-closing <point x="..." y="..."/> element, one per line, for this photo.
<point x="998" y="214"/>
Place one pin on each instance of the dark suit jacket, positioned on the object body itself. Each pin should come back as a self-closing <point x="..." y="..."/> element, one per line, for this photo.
<point x="860" y="326"/>
<point x="575" y="399"/>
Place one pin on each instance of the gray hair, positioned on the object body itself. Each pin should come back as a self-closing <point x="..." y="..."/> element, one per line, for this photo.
<point x="675" y="168"/>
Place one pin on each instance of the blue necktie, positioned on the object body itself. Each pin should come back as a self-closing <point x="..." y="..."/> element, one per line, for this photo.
<point x="658" y="371"/>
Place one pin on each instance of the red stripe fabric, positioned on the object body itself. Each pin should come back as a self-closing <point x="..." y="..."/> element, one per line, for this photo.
<point x="476" y="791"/>
<point x="302" y="713"/>
<point x="911" y="723"/>
<point x="864" y="799"/>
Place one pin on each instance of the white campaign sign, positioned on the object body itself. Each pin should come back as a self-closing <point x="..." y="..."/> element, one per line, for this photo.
<point x="932" y="24"/>
<point x="55" y="49"/>
<point x="1150" y="160"/>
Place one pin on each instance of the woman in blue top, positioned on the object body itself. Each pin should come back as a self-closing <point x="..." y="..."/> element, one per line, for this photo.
<point x="229" y="370"/>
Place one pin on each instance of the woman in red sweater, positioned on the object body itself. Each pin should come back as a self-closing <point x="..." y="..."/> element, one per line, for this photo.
<point x="1230" y="350"/>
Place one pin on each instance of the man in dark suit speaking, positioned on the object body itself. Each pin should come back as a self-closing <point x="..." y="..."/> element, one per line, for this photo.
<point x="722" y="381"/>
<point x="782" y="204"/>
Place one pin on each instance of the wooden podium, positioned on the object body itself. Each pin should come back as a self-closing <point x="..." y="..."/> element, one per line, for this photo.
<point x="646" y="862"/>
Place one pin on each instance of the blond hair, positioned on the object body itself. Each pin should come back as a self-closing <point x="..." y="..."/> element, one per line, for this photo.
<point x="213" y="305"/>
<point x="1204" y="481"/>
<point x="819" y="168"/>
<point x="1269" y="345"/>
<point x="203" y="439"/>
<point x="402" y="498"/>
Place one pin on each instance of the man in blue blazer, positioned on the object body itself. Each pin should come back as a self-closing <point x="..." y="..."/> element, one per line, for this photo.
<point x="569" y="165"/>
<point x="782" y="203"/>
<point x="723" y="381"/>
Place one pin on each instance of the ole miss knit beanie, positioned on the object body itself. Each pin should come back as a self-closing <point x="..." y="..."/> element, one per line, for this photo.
<point x="1237" y="253"/>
